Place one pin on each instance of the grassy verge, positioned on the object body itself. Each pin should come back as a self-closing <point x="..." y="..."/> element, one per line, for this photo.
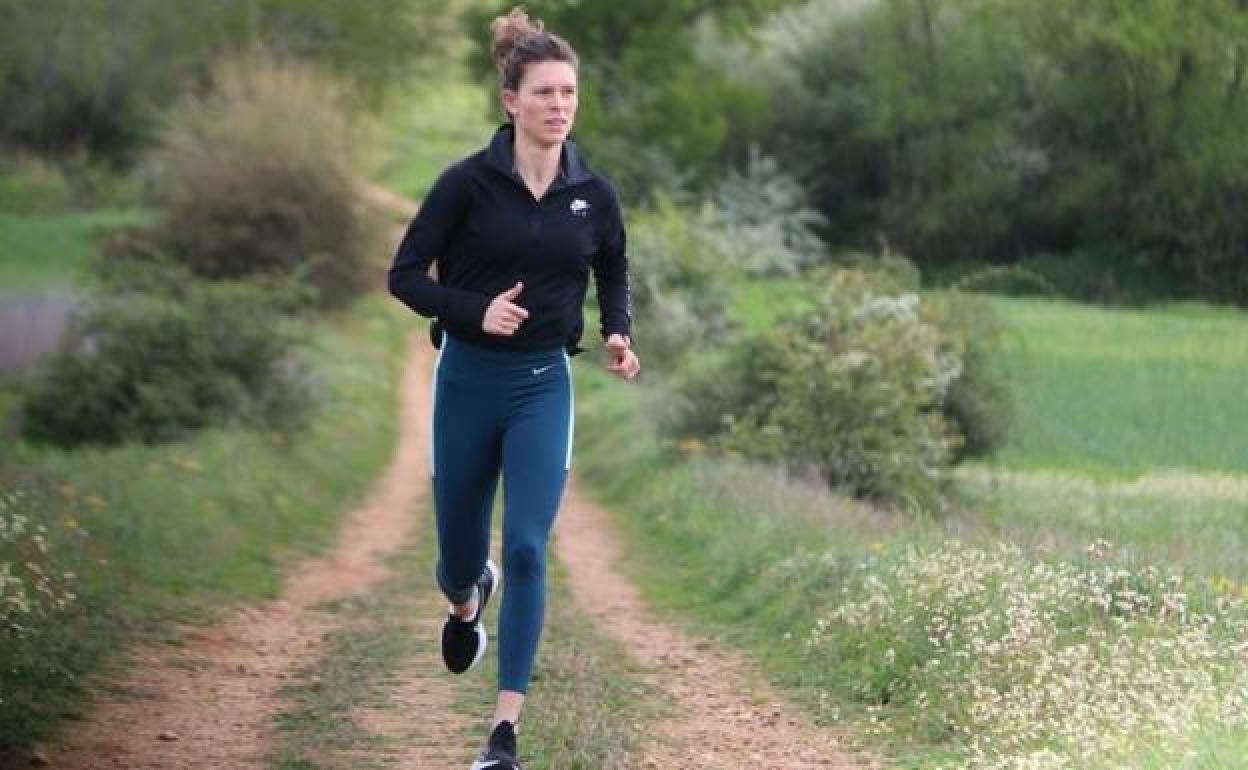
<point x="429" y="130"/>
<point x="933" y="641"/>
<point x="157" y="534"/>
<point x="586" y="708"/>
<point x="1128" y="422"/>
<point x="43" y="250"/>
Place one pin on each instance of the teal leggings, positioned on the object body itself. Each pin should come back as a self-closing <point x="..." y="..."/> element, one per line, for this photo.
<point x="510" y="412"/>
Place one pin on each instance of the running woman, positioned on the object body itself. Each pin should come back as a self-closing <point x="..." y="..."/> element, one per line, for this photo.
<point x="515" y="231"/>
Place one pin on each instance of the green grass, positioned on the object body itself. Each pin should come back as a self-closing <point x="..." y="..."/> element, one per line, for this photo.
<point x="377" y="634"/>
<point x="1198" y="522"/>
<point x="1131" y="427"/>
<point x="428" y="131"/>
<point x="586" y="707"/>
<point x="760" y="302"/>
<point x="704" y="536"/>
<point x="158" y="534"/>
<point x="1130" y="431"/>
<point x="1118" y="393"/>
<point x="751" y="558"/>
<point x="44" y="250"/>
<point x="1110" y="393"/>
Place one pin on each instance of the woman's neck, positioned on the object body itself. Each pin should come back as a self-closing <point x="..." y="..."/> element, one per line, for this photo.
<point x="537" y="164"/>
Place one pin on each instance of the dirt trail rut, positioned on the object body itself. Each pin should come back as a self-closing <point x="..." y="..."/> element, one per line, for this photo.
<point x="723" y="714"/>
<point x="210" y="703"/>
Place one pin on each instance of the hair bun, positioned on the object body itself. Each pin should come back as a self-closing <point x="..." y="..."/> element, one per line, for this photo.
<point x="508" y="31"/>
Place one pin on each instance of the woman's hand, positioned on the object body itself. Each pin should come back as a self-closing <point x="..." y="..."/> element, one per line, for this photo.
<point x="503" y="316"/>
<point x="622" y="360"/>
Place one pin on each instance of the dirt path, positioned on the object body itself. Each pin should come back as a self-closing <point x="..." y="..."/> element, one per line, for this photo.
<point x="210" y="703"/>
<point x="724" y="714"/>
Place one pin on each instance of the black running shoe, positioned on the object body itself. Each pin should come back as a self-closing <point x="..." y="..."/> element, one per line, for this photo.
<point x="464" y="641"/>
<point x="500" y="751"/>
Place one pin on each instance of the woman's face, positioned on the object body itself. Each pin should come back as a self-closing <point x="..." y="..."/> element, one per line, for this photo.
<point x="543" y="106"/>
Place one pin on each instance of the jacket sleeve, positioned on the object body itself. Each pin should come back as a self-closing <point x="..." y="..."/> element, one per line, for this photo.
<point x="610" y="268"/>
<point x="427" y="238"/>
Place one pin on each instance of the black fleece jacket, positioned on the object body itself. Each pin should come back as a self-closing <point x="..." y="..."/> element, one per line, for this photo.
<point x="486" y="231"/>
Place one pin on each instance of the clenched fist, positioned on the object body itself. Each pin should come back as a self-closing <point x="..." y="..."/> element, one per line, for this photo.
<point x="621" y="360"/>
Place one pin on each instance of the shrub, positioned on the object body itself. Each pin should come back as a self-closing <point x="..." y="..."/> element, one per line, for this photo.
<point x="767" y="223"/>
<point x="979" y="401"/>
<point x="255" y="179"/>
<point x="31" y="186"/>
<point x="851" y="388"/>
<point x="149" y="367"/>
<point x="682" y="288"/>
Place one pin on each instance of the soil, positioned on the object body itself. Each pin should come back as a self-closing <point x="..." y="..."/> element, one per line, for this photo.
<point x="210" y="703"/>
<point x="723" y="714"/>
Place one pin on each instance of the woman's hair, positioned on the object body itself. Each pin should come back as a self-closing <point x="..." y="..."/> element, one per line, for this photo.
<point x="519" y="41"/>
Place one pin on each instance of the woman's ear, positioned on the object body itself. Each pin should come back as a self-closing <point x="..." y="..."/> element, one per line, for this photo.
<point x="509" y="102"/>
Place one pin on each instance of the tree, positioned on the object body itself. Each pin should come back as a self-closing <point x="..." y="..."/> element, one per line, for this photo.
<point x="994" y="129"/>
<point x="93" y="74"/>
<point x="652" y="110"/>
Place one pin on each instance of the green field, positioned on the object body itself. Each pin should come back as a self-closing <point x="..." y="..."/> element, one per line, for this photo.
<point x="1120" y="393"/>
<point x="43" y="250"/>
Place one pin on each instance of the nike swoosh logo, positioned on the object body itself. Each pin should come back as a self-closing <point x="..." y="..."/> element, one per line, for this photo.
<point x="539" y="371"/>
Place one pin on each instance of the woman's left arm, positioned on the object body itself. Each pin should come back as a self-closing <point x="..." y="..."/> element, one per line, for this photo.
<point x="610" y="268"/>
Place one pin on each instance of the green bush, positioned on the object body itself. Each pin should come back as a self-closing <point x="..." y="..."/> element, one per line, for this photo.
<point x="979" y="401"/>
<point x="682" y="288"/>
<point x="256" y="180"/>
<point x="766" y="221"/>
<point x="851" y="389"/>
<point x="151" y="367"/>
<point x="31" y="186"/>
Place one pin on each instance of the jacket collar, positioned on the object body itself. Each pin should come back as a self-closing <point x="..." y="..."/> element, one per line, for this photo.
<point x="500" y="155"/>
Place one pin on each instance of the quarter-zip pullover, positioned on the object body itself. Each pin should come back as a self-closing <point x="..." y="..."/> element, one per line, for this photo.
<point x="485" y="230"/>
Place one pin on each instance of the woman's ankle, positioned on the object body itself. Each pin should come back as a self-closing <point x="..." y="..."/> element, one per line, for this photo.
<point x="467" y="610"/>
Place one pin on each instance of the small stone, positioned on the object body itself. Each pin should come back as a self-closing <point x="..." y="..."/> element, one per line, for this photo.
<point x="168" y="736"/>
<point x="39" y="759"/>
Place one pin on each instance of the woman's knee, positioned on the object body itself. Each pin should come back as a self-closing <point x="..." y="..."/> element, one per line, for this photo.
<point x="525" y="561"/>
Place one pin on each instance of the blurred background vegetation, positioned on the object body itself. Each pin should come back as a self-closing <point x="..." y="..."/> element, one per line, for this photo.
<point x="903" y="270"/>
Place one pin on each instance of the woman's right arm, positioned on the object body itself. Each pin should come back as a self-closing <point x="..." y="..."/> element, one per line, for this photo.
<point x="428" y="237"/>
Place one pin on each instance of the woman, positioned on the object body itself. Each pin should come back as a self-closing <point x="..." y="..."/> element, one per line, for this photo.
<point x="515" y="230"/>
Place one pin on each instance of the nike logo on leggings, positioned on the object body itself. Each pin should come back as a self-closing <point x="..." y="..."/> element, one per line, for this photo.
<point x="544" y="368"/>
